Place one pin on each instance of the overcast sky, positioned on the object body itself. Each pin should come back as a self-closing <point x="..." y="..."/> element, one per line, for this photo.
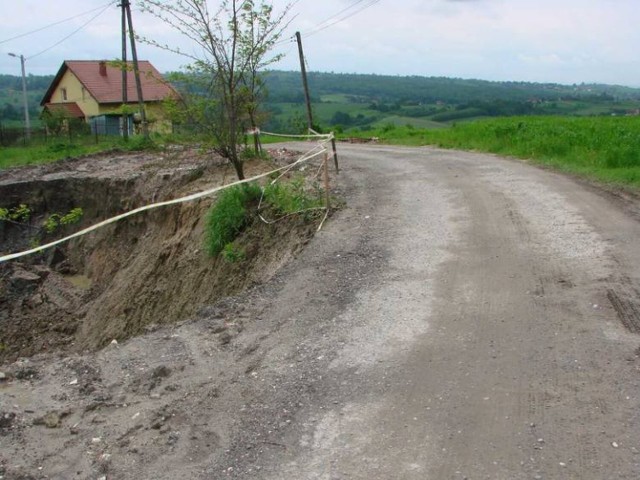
<point x="564" y="41"/>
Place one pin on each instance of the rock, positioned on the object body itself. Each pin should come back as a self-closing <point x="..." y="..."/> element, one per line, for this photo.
<point x="23" y="279"/>
<point x="173" y="438"/>
<point x="161" y="372"/>
<point x="3" y="377"/>
<point x="49" y="420"/>
<point x="6" y="420"/>
<point x="26" y="373"/>
<point x="225" y="338"/>
<point x="55" y="257"/>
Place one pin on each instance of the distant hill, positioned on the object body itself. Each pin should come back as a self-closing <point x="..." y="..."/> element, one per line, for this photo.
<point x="286" y="86"/>
<point x="358" y="100"/>
<point x="350" y="101"/>
<point x="11" y="107"/>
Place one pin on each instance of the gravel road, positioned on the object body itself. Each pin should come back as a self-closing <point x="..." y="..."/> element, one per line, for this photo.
<point x="479" y="320"/>
<point x="463" y="317"/>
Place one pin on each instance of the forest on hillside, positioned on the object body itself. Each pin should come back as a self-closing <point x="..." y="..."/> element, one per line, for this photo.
<point x="361" y="101"/>
<point x="11" y="104"/>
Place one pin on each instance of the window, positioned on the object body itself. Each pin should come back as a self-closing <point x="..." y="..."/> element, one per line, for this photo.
<point x="83" y="94"/>
<point x="63" y="91"/>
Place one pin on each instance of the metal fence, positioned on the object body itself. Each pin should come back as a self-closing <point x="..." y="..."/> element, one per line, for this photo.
<point x="94" y="133"/>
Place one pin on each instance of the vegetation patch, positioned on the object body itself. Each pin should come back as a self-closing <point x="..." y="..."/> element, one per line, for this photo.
<point x="229" y="215"/>
<point x="236" y="208"/>
<point x="605" y="149"/>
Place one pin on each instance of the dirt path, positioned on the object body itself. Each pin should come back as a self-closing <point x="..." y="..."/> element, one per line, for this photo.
<point x="464" y="316"/>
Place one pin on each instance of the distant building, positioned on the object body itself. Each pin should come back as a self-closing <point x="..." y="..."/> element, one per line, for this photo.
<point x="92" y="90"/>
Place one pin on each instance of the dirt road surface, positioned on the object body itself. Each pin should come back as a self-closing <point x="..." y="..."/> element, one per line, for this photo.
<point x="463" y="317"/>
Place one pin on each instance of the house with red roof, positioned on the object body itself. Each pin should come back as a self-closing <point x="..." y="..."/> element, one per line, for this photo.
<point x="91" y="90"/>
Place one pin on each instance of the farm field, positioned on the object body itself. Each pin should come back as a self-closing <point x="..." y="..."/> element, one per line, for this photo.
<point x="606" y="149"/>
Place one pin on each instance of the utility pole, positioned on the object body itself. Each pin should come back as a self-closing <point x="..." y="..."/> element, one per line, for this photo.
<point x="136" y="70"/>
<point x="125" y="114"/>
<point x="303" y="69"/>
<point x="25" y="102"/>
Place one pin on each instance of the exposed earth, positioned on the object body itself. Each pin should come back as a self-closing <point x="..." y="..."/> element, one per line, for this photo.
<point x="464" y="316"/>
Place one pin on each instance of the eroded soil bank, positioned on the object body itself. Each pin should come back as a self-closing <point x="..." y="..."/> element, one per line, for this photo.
<point x="146" y="270"/>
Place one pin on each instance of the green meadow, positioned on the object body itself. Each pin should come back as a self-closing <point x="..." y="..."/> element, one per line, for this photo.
<point x="606" y="149"/>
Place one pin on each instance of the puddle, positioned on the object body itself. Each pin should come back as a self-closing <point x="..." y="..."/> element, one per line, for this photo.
<point x="80" y="281"/>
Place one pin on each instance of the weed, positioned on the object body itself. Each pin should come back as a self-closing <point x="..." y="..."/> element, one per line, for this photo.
<point x="233" y="253"/>
<point x="56" y="220"/>
<point x="287" y="198"/>
<point x="229" y="215"/>
<point x="21" y="213"/>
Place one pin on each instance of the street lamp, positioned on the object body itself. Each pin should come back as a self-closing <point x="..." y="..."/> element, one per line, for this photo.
<point x="24" y="95"/>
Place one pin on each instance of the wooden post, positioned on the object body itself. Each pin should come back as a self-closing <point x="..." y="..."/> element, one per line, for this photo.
<point x="327" y="203"/>
<point x="303" y="69"/>
<point x="136" y="71"/>
<point x="125" y="115"/>
<point x="335" y="153"/>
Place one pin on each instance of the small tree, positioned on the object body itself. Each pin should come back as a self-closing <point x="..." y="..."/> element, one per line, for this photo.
<point x="235" y="44"/>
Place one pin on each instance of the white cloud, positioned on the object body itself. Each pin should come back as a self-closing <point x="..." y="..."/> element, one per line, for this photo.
<point x="567" y="41"/>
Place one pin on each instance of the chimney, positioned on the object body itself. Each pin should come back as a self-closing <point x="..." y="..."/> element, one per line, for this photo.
<point x="103" y="68"/>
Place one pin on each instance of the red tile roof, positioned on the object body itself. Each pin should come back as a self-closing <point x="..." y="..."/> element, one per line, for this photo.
<point x="69" y="109"/>
<point x="105" y="84"/>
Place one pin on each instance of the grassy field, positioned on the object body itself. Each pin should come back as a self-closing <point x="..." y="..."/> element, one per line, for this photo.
<point x="38" y="153"/>
<point x="606" y="149"/>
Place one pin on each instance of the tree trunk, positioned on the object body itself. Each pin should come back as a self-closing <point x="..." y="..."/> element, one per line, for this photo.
<point x="256" y="143"/>
<point x="239" y="168"/>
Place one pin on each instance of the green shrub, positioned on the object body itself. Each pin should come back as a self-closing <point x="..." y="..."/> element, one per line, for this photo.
<point x="232" y="253"/>
<point x="287" y="198"/>
<point x="229" y="215"/>
<point x="55" y="220"/>
<point x="21" y="213"/>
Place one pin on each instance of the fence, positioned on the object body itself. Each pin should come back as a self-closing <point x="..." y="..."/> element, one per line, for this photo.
<point x="84" y="134"/>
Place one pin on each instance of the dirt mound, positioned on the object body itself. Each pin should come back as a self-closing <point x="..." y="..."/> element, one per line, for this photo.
<point x="146" y="270"/>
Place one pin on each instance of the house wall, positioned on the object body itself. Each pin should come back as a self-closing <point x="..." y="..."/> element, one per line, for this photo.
<point x="156" y="115"/>
<point x="75" y="93"/>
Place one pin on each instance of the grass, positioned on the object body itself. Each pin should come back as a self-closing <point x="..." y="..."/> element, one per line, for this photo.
<point x="231" y="214"/>
<point x="606" y="149"/>
<point x="39" y="153"/>
<point x="398" y="121"/>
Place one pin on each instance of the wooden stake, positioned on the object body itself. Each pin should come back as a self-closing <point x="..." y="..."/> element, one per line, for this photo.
<point x="335" y="153"/>
<point x="326" y="182"/>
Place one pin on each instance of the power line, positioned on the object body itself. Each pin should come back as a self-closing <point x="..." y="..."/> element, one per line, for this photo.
<point x="72" y="33"/>
<point x="328" y="19"/>
<point x="333" y="19"/>
<point x="341" y="16"/>
<point x="54" y="24"/>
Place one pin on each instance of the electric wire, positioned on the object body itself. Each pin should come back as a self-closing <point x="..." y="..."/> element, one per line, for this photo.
<point x="330" y="18"/>
<point x="340" y="17"/>
<point x="54" y="24"/>
<point x="333" y="19"/>
<point x="72" y="33"/>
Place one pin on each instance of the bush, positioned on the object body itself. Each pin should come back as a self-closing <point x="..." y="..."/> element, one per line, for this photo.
<point x="229" y="215"/>
<point x="290" y="197"/>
